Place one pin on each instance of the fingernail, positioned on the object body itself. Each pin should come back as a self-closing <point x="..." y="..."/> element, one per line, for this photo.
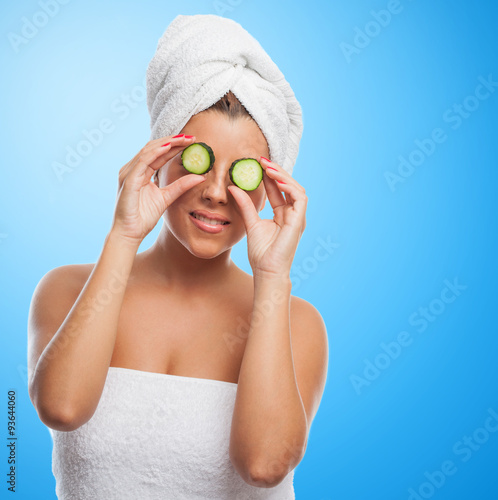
<point x="263" y="158"/>
<point x="282" y="182"/>
<point x="167" y="144"/>
<point x="175" y="136"/>
<point x="189" y="136"/>
<point x="273" y="169"/>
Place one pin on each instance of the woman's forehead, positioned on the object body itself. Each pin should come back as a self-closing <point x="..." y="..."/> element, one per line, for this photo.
<point x="239" y="134"/>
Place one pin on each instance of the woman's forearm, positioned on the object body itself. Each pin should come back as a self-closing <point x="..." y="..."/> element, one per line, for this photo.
<point x="71" y="371"/>
<point x="269" y="425"/>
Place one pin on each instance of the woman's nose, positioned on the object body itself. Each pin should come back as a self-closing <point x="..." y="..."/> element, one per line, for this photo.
<point x="214" y="188"/>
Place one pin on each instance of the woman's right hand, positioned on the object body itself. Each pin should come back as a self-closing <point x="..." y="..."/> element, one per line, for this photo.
<point x="140" y="203"/>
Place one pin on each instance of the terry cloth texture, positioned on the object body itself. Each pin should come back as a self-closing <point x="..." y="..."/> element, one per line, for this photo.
<point x="155" y="436"/>
<point x="199" y="58"/>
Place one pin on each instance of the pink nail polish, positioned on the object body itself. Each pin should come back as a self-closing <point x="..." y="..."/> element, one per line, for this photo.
<point x="282" y="182"/>
<point x="181" y="135"/>
<point x="189" y="136"/>
<point x="167" y="144"/>
<point x="263" y="158"/>
<point x="272" y="169"/>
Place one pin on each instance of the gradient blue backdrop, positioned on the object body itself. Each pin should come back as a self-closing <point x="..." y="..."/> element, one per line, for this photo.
<point x="386" y="424"/>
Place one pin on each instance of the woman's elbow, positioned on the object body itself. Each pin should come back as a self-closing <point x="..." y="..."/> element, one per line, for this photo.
<point x="59" y="420"/>
<point x="56" y="416"/>
<point x="260" y="475"/>
<point x="265" y="477"/>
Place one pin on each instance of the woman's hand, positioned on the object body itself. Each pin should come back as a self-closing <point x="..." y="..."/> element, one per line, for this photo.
<point x="140" y="203"/>
<point x="272" y="243"/>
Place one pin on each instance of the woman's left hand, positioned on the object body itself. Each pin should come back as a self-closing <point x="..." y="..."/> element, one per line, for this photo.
<point x="272" y="243"/>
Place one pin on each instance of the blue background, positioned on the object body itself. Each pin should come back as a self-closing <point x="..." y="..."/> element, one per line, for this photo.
<point x="364" y="105"/>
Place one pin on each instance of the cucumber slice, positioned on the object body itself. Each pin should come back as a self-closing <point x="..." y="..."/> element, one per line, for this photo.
<point x="198" y="158"/>
<point x="246" y="173"/>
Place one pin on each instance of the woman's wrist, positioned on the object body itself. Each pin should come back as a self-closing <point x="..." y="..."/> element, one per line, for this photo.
<point x="273" y="285"/>
<point x="281" y="277"/>
<point x="115" y="238"/>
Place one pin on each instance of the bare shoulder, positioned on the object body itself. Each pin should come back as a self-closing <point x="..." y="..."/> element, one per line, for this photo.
<point x="68" y="277"/>
<point x="308" y="327"/>
<point x="310" y="351"/>
<point x="56" y="292"/>
<point x="303" y="312"/>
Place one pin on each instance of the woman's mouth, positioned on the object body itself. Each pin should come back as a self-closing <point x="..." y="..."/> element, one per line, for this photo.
<point x="207" y="224"/>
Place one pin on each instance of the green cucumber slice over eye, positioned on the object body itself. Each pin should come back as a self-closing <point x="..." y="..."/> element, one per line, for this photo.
<point x="246" y="173"/>
<point x="198" y="158"/>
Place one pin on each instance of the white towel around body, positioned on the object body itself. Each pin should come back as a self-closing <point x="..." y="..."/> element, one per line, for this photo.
<point x="156" y="437"/>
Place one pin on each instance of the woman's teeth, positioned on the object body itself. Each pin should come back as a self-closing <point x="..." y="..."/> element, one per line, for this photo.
<point x="213" y="222"/>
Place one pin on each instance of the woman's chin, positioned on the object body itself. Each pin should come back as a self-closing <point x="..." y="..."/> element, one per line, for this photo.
<point x="206" y="253"/>
<point x="203" y="249"/>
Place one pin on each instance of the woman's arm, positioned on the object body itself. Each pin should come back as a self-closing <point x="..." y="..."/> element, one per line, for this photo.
<point x="269" y="426"/>
<point x="282" y="376"/>
<point x="70" y="353"/>
<point x="281" y="383"/>
<point x="67" y="370"/>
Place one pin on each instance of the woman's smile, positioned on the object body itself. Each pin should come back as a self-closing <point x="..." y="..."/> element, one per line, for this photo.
<point x="207" y="224"/>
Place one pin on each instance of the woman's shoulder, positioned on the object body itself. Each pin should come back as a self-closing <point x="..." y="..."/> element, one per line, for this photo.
<point x="68" y="274"/>
<point x="307" y="324"/>
<point x="63" y="282"/>
<point x="303" y="311"/>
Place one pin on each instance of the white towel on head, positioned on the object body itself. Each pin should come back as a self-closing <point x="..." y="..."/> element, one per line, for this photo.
<point x="199" y="59"/>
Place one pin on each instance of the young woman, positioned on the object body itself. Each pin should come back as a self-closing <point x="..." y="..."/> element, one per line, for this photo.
<point x="172" y="373"/>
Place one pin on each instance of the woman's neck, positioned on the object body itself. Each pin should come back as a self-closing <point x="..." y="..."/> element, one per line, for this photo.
<point x="168" y="260"/>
